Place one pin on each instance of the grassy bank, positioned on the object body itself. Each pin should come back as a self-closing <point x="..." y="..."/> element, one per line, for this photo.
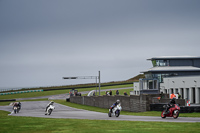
<point x="13" y="124"/>
<point x="77" y="86"/>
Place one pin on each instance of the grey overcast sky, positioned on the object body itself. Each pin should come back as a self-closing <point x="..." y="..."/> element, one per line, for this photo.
<point x="43" y="40"/>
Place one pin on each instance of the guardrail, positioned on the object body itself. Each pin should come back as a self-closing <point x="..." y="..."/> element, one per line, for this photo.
<point x="18" y="92"/>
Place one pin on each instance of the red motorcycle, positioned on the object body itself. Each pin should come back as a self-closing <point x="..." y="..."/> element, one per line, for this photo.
<point x="173" y="111"/>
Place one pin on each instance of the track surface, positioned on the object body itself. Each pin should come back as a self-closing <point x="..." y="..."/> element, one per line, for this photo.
<point x="37" y="108"/>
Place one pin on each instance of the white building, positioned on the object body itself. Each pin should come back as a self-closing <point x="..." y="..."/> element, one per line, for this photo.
<point x="172" y="74"/>
<point x="187" y="86"/>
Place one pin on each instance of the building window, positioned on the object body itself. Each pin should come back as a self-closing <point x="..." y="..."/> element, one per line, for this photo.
<point x="160" y="77"/>
<point x="160" y="63"/>
<point x="148" y="76"/>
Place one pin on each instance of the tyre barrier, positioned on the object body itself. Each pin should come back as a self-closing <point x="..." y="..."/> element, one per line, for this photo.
<point x="19" y="92"/>
<point x="7" y="100"/>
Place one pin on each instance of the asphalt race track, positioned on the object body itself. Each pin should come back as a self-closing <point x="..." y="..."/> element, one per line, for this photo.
<point x="37" y="109"/>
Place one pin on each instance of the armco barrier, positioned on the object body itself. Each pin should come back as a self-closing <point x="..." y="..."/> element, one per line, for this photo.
<point x="18" y="92"/>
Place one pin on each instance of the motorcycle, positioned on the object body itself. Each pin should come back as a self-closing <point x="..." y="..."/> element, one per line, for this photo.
<point x="115" y="111"/>
<point x="50" y="109"/>
<point x="16" y="109"/>
<point x="172" y="112"/>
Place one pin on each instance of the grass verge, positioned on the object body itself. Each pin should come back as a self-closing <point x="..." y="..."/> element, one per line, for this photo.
<point x="13" y="124"/>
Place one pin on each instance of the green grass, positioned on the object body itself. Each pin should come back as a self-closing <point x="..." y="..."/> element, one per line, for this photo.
<point x="33" y="94"/>
<point x="13" y="124"/>
<point x="103" y="110"/>
<point x="4" y="103"/>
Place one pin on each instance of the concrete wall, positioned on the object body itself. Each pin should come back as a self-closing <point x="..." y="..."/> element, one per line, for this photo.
<point x="136" y="87"/>
<point x="133" y="103"/>
<point x="181" y="102"/>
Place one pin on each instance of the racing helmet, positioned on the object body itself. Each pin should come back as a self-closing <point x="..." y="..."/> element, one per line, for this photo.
<point x="173" y="100"/>
<point x="118" y="101"/>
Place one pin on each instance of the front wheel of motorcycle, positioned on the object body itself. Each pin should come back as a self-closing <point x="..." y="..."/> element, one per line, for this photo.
<point x="117" y="113"/>
<point x="109" y="114"/>
<point x="49" y="112"/>
<point x="175" y="114"/>
<point x="163" y="115"/>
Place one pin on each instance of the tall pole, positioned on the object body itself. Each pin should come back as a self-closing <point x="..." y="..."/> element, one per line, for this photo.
<point x="96" y="85"/>
<point x="99" y="84"/>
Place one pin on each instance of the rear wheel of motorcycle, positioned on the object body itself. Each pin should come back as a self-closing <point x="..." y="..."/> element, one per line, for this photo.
<point x="15" y="111"/>
<point x="109" y="114"/>
<point x="163" y="115"/>
<point x="176" y="115"/>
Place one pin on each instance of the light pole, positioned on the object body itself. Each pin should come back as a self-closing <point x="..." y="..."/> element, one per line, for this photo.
<point x="99" y="84"/>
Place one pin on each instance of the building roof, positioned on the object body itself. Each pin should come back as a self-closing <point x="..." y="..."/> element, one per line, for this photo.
<point x="174" y="57"/>
<point x="172" y="68"/>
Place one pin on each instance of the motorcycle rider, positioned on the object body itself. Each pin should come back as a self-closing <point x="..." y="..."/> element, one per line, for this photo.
<point x="51" y="103"/>
<point x="15" y="104"/>
<point x="114" y="105"/>
<point x="19" y="105"/>
<point x="170" y="104"/>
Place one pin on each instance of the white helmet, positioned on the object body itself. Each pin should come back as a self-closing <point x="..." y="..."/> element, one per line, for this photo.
<point x="118" y="101"/>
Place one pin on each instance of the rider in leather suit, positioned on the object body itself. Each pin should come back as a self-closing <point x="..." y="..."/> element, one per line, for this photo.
<point x="169" y="105"/>
<point x="51" y="103"/>
<point x="114" y="105"/>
